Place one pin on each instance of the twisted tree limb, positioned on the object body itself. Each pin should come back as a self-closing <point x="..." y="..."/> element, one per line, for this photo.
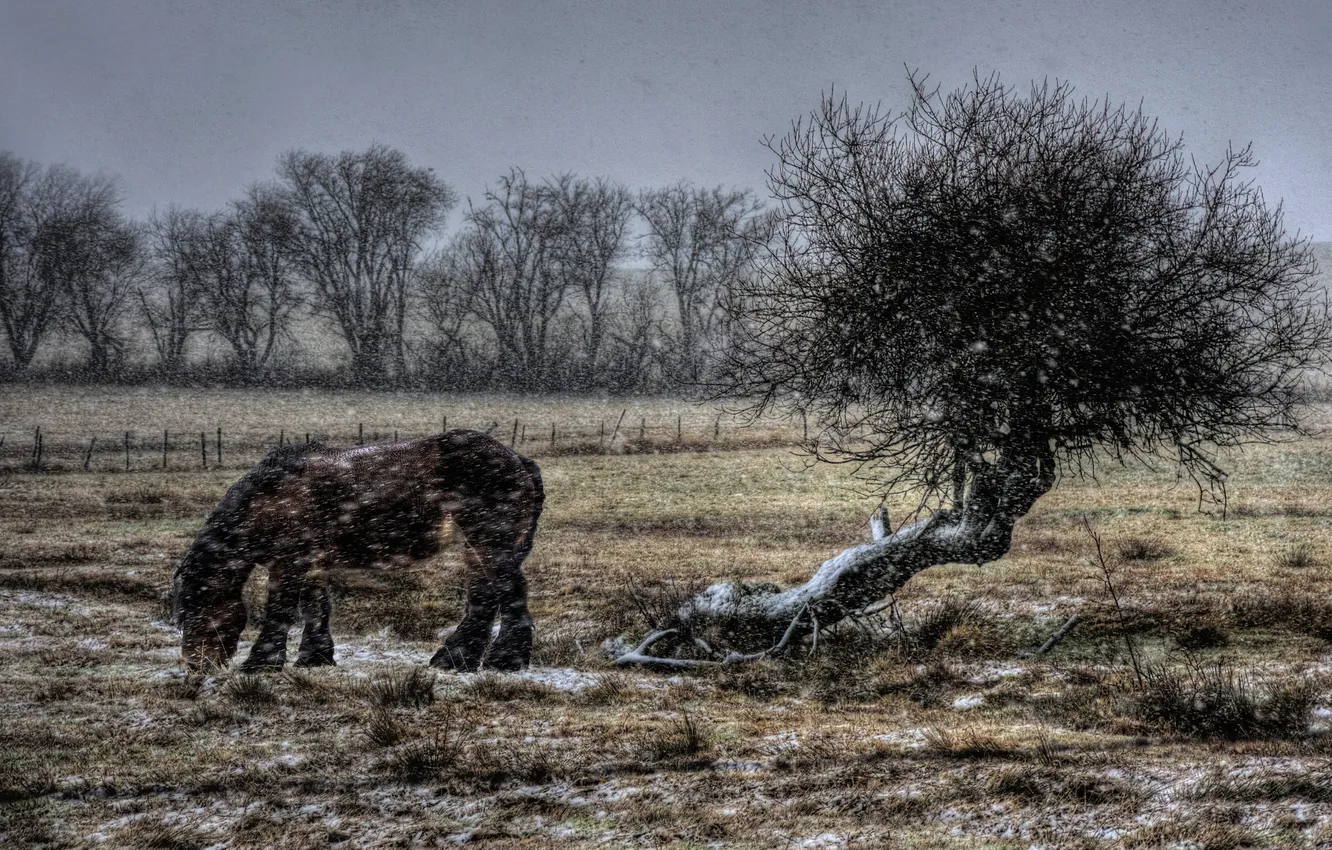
<point x="751" y="625"/>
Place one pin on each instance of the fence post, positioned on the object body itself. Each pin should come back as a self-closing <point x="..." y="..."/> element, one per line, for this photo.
<point x="642" y="428"/>
<point x="37" y="448"/>
<point x="552" y="435"/>
<point x="219" y="445"/>
<point x="360" y="433"/>
<point x="679" y="430"/>
<point x="445" y="423"/>
<point x="166" y="438"/>
<point x="513" y="441"/>
<point x="617" y="425"/>
<point x="601" y="435"/>
<point x="87" y="459"/>
<point x="203" y="449"/>
<point x="127" y="464"/>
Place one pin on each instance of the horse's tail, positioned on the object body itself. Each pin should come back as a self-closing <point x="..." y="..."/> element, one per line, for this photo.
<point x="525" y="547"/>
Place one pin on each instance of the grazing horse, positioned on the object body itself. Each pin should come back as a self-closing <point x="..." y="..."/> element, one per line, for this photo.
<point x="305" y="511"/>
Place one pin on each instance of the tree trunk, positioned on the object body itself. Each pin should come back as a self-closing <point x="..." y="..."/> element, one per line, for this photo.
<point x="731" y="622"/>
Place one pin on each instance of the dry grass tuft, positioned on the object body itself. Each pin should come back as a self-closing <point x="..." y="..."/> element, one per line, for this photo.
<point x="970" y="744"/>
<point x="1266" y="788"/>
<point x="1216" y="702"/>
<point x="412" y="687"/>
<point x="684" y="737"/>
<point x="1144" y="549"/>
<point x="1283" y="609"/>
<point x="385" y="730"/>
<point x="443" y="751"/>
<point x="497" y="687"/>
<point x="249" y="691"/>
<point x="610" y="689"/>
<point x="1301" y="556"/>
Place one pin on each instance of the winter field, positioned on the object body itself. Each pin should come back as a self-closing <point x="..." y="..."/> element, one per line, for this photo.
<point x="932" y="728"/>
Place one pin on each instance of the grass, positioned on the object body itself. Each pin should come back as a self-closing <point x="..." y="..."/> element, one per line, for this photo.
<point x="929" y="725"/>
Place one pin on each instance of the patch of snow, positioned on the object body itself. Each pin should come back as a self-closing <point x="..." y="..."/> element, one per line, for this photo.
<point x="968" y="702"/>
<point x="734" y="766"/>
<point x="823" y="839"/>
<point x="911" y="738"/>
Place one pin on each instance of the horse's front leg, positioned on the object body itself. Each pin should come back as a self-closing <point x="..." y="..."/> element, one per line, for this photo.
<point x="285" y="579"/>
<point x="317" y="638"/>
<point x="463" y="650"/>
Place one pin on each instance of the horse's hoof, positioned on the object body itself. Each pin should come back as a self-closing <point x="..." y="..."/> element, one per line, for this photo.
<point x="262" y="665"/>
<point x="315" y="661"/>
<point x="445" y="660"/>
<point x="506" y="664"/>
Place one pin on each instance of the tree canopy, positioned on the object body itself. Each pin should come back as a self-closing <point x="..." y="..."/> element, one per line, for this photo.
<point x="992" y="269"/>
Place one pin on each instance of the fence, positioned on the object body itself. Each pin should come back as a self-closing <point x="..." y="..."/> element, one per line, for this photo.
<point x="221" y="447"/>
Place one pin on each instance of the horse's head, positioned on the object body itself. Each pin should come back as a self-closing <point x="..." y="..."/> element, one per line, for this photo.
<point x="207" y="604"/>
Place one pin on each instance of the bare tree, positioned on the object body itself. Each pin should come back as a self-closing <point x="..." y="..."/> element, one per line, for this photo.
<point x="443" y="293"/>
<point x="246" y="276"/>
<point x="172" y="296"/>
<point x="590" y="234"/>
<point x="987" y="292"/>
<point x="54" y="223"/>
<point x="700" y="242"/>
<point x="360" y="221"/>
<point x="634" y="361"/>
<point x="103" y="263"/>
<point x="27" y="307"/>
<point x="507" y="259"/>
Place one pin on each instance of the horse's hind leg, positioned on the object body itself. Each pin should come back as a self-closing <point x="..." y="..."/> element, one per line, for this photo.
<point x="512" y="649"/>
<point x="317" y="638"/>
<point x="285" y="579"/>
<point x="463" y="650"/>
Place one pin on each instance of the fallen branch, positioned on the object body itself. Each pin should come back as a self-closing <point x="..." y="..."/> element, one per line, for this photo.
<point x="638" y="655"/>
<point x="1059" y="635"/>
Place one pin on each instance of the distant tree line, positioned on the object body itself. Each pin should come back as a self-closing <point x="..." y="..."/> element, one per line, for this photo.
<point x="568" y="283"/>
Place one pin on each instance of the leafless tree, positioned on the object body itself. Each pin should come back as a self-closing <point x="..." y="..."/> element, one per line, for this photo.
<point x="590" y="234"/>
<point x="360" y="222"/>
<point x="989" y="291"/>
<point x="172" y="295"/>
<point x="27" y="307"/>
<point x="57" y="226"/>
<point x="507" y="259"/>
<point x="443" y="295"/>
<point x="634" y="358"/>
<point x="700" y="242"/>
<point x="103" y="263"/>
<point x="246" y="276"/>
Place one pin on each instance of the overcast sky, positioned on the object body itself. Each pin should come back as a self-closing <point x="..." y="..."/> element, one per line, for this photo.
<point x="188" y="102"/>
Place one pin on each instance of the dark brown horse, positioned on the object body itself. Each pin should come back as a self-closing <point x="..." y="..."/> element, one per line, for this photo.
<point x="304" y="511"/>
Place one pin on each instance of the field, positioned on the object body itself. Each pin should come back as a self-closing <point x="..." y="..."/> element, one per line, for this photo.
<point x="1189" y="708"/>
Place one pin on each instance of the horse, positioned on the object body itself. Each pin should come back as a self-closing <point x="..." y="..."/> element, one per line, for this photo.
<point x="307" y="510"/>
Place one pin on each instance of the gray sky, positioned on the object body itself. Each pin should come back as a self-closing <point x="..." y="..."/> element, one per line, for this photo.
<point x="187" y="102"/>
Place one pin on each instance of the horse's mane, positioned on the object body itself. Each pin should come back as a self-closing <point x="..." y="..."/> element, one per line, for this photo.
<point x="264" y="478"/>
<point x="221" y="531"/>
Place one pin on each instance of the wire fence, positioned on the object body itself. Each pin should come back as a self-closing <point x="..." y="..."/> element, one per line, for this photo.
<point x="221" y="447"/>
